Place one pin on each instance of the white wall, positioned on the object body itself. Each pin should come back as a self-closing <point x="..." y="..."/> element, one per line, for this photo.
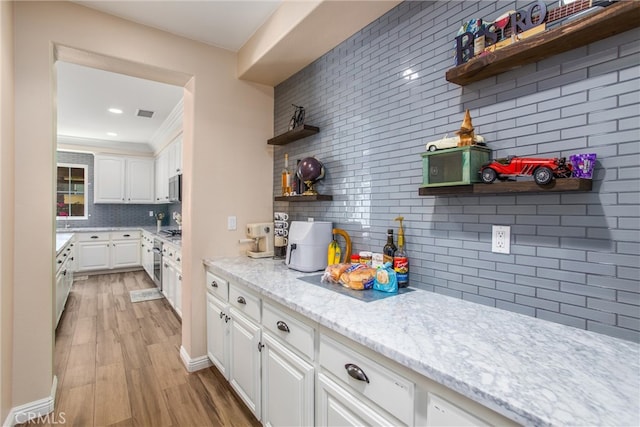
<point x="227" y="163"/>
<point x="6" y="206"/>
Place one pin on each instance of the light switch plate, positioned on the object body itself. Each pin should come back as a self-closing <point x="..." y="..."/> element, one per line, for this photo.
<point x="501" y="239"/>
<point x="231" y="223"/>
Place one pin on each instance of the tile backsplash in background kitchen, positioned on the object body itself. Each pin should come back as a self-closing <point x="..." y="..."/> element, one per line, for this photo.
<point x="112" y="215"/>
<point x="381" y="95"/>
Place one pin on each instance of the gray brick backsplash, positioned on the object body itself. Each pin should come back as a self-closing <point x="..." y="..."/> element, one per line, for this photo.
<point x="575" y="255"/>
<point x="110" y="215"/>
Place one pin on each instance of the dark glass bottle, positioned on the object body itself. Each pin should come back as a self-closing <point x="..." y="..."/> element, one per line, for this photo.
<point x="389" y="248"/>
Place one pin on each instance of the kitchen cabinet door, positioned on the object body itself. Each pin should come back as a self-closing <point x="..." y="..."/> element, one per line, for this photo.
<point x="336" y="406"/>
<point x="125" y="253"/>
<point x="287" y="386"/>
<point x="168" y="285"/>
<point x="174" y="152"/>
<point x="178" y="292"/>
<point x="218" y="334"/>
<point x="244" y="367"/>
<point x="93" y="255"/>
<point x="140" y="180"/>
<point x="109" y="179"/>
<point x="162" y="177"/>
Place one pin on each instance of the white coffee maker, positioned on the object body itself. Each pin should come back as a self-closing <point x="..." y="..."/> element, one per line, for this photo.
<point x="308" y="243"/>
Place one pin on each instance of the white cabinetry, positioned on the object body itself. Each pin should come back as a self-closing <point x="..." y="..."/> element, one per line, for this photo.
<point x="174" y="151"/>
<point x="146" y="253"/>
<point x="287" y="386"/>
<point x="65" y="262"/>
<point x="104" y="251"/>
<point x="162" y="177"/>
<point x="172" y="276"/>
<point x="121" y="179"/>
<point x="93" y="251"/>
<point x="233" y="338"/>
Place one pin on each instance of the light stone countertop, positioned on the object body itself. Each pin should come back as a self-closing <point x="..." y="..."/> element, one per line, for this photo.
<point x="61" y="240"/>
<point x="176" y="240"/>
<point x="530" y="370"/>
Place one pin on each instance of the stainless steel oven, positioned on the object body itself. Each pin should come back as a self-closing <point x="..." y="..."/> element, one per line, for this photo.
<point x="157" y="263"/>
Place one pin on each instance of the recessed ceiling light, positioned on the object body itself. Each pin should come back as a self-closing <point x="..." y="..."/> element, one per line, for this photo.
<point x="112" y="134"/>
<point x="115" y="110"/>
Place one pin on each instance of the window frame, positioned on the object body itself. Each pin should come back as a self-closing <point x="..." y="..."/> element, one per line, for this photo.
<point x="86" y="196"/>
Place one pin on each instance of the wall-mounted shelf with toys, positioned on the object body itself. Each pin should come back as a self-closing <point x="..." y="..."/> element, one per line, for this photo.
<point x="617" y="18"/>
<point x="295" y="134"/>
<point x="557" y="185"/>
<point x="462" y="165"/>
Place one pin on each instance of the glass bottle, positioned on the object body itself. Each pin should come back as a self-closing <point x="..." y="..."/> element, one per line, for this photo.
<point x="389" y="248"/>
<point x="286" y="177"/>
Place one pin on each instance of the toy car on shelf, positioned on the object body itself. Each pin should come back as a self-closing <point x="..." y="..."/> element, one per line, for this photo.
<point x="452" y="142"/>
<point x="542" y="169"/>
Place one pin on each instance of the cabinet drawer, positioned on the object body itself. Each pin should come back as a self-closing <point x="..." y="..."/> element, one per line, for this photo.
<point x="125" y="235"/>
<point x="217" y="286"/>
<point x="289" y="329"/>
<point x="93" y="237"/>
<point x="244" y="301"/>
<point x="385" y="388"/>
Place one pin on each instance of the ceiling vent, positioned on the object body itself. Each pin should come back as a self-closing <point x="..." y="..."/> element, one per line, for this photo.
<point x="145" y="113"/>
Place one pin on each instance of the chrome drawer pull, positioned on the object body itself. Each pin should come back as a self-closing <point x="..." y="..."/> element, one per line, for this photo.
<point x="282" y="326"/>
<point x="241" y="300"/>
<point x="355" y="372"/>
<point x="214" y="284"/>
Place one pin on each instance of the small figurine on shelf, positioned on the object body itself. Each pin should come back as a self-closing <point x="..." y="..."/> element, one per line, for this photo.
<point x="298" y="117"/>
<point x="466" y="136"/>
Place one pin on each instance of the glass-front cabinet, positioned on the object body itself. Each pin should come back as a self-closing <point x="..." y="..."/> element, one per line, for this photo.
<point x="71" y="197"/>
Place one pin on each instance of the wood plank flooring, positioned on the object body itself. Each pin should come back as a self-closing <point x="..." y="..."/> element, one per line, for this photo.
<point x="118" y="364"/>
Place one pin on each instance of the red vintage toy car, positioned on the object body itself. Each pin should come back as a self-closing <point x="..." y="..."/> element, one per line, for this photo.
<point x="542" y="169"/>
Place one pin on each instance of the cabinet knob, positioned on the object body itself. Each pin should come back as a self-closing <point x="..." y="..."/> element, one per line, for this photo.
<point x="126" y="235"/>
<point x="282" y="326"/>
<point x="356" y="372"/>
<point x="180" y="277"/>
<point x="214" y="284"/>
<point x="226" y="319"/>
<point x="221" y="314"/>
<point x="260" y="346"/>
<point x="241" y="300"/>
<point x="94" y="237"/>
<point x="59" y="261"/>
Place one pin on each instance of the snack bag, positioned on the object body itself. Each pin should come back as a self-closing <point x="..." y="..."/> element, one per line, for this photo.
<point x="358" y="277"/>
<point x="385" y="279"/>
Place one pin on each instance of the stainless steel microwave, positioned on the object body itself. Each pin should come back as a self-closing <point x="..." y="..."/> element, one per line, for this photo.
<point x="175" y="188"/>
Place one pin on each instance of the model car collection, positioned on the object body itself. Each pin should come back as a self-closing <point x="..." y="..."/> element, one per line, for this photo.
<point x="542" y="169"/>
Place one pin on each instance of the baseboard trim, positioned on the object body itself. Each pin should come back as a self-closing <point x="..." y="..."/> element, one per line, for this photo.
<point x="38" y="408"/>
<point x="196" y="364"/>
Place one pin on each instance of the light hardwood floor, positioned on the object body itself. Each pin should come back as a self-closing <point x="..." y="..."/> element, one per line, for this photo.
<point x="118" y="364"/>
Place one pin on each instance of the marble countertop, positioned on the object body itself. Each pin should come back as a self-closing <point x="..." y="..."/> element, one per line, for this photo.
<point x="176" y="240"/>
<point x="61" y="240"/>
<point x="530" y="370"/>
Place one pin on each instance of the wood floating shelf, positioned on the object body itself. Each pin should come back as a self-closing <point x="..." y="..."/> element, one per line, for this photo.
<point x="303" y="198"/>
<point x="557" y="185"/>
<point x="294" y="135"/>
<point x="617" y="18"/>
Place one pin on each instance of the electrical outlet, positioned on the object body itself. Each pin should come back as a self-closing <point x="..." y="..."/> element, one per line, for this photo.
<point x="231" y="223"/>
<point x="150" y="213"/>
<point x="501" y="239"/>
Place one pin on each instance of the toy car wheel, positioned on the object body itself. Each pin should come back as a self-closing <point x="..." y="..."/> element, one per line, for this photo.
<point x="542" y="175"/>
<point x="433" y="147"/>
<point x="489" y="175"/>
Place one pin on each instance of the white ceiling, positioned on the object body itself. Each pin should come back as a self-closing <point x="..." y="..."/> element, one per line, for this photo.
<point x="223" y="23"/>
<point x="84" y="94"/>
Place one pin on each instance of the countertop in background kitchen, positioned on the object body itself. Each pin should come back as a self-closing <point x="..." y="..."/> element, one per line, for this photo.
<point x="62" y="238"/>
<point x="176" y="240"/>
<point x="532" y="371"/>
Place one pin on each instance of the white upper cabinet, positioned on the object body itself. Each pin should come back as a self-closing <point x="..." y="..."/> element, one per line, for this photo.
<point x="162" y="177"/>
<point x="120" y="179"/>
<point x="140" y="180"/>
<point x="109" y="178"/>
<point x="174" y="152"/>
